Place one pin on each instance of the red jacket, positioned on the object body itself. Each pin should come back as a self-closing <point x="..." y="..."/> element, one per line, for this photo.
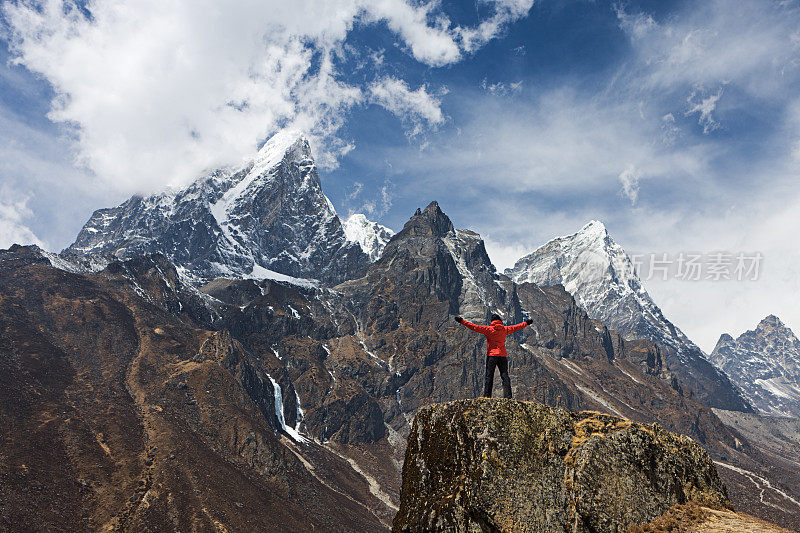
<point x="495" y="335"/>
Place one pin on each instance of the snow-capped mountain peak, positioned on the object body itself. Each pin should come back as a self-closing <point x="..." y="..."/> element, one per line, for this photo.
<point x="765" y="363"/>
<point x="370" y="236"/>
<point x="594" y="228"/>
<point x="266" y="218"/>
<point x="589" y="264"/>
<point x="603" y="280"/>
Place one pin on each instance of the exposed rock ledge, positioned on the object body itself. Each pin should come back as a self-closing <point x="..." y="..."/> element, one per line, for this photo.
<point x="505" y="465"/>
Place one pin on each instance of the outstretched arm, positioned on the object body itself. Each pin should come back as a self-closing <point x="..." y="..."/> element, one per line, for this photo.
<point x="474" y="327"/>
<point x="517" y="327"/>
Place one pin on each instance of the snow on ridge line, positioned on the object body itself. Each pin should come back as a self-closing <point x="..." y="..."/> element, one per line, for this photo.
<point x="370" y="236"/>
<point x="260" y="273"/>
<point x="269" y="156"/>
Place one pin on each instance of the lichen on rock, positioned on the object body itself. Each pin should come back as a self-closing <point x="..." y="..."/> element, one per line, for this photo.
<point x="507" y="465"/>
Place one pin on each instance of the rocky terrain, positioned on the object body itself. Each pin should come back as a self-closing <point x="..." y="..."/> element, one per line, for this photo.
<point x="602" y="278"/>
<point x="765" y="364"/>
<point x="121" y="412"/>
<point x="257" y="400"/>
<point x="694" y="518"/>
<point x="504" y="465"/>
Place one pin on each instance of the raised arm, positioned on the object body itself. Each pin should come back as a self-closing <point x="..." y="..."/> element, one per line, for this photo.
<point x="474" y="327"/>
<point x="517" y="327"/>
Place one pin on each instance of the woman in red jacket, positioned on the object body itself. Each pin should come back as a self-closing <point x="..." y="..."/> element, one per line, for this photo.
<point x="496" y="355"/>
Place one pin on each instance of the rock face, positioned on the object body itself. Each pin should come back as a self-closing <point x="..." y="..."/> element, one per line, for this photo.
<point x="602" y="278"/>
<point x="505" y="465"/>
<point x="765" y="364"/>
<point x="265" y="219"/>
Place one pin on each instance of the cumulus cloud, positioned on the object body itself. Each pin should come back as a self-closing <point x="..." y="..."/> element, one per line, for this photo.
<point x="416" y="108"/>
<point x="155" y="92"/>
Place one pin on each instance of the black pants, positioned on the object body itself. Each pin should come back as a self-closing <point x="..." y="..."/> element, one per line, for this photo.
<point x="502" y="364"/>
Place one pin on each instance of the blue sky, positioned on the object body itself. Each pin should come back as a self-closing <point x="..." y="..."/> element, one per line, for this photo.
<point x="675" y="123"/>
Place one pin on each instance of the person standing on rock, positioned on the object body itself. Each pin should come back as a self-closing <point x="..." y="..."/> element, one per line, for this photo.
<point x="496" y="355"/>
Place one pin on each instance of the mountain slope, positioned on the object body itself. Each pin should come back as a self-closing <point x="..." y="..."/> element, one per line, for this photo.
<point x="121" y="410"/>
<point x="266" y="219"/>
<point x="765" y="364"/>
<point x="601" y="277"/>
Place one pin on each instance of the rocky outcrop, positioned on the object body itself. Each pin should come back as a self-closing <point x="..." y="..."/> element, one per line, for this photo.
<point x="505" y="465"/>
<point x="700" y="519"/>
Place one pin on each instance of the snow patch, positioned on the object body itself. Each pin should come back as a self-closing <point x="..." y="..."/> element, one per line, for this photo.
<point x="292" y="432"/>
<point x="596" y="397"/>
<point x="370" y="236"/>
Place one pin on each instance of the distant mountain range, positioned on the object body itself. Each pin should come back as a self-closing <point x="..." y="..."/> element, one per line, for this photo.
<point x="601" y="277"/>
<point x="765" y="364"/>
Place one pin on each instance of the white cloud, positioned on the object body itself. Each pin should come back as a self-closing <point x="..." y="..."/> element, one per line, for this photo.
<point x="704" y="106"/>
<point x="155" y="92"/>
<point x="706" y="309"/>
<point x="417" y="109"/>
<point x="501" y="89"/>
<point x="14" y="212"/>
<point x="434" y="45"/>
<point x="559" y="142"/>
<point x="636" y="25"/>
<point x="717" y="41"/>
<point x="504" y="256"/>
<point x="630" y="183"/>
<point x="670" y="132"/>
<point x="506" y="12"/>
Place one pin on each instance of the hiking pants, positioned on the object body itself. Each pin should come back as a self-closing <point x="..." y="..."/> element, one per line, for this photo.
<point x="502" y="364"/>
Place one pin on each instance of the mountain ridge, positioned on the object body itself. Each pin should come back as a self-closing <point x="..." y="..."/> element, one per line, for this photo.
<point x="765" y="363"/>
<point x="601" y="276"/>
<point x="266" y="217"/>
<point x="346" y="363"/>
<point x="354" y="362"/>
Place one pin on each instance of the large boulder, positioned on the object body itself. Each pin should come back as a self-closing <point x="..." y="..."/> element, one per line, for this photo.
<point x="507" y="465"/>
